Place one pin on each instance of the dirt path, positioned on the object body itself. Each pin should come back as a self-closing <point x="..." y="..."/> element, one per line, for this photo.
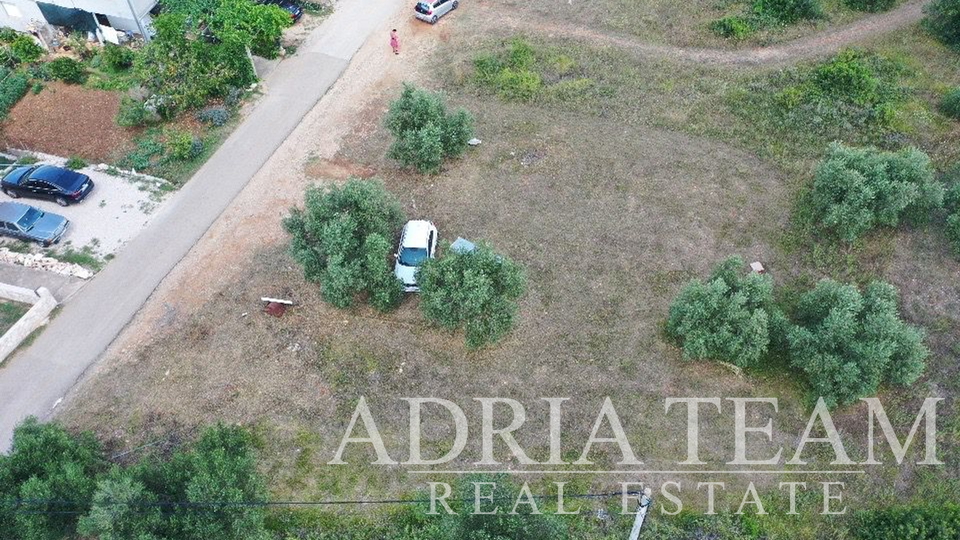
<point x="809" y="47"/>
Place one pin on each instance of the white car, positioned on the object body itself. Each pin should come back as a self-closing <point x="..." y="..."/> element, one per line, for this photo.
<point x="418" y="242"/>
<point x="431" y="10"/>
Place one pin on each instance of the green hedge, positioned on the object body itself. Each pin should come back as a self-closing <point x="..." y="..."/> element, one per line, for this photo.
<point x="12" y="87"/>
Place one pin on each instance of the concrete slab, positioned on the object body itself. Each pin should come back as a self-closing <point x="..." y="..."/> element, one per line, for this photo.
<point x="62" y="287"/>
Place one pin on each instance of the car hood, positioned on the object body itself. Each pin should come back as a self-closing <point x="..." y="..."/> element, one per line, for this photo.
<point x="48" y="226"/>
<point x="406" y="274"/>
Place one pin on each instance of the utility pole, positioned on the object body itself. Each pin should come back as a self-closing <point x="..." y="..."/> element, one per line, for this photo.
<point x="645" y="499"/>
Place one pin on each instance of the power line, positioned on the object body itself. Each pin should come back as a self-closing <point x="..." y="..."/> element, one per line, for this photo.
<point x="222" y="505"/>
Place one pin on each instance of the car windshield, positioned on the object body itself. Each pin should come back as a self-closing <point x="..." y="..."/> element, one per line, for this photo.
<point x="412" y="256"/>
<point x="422" y="7"/>
<point x="29" y="218"/>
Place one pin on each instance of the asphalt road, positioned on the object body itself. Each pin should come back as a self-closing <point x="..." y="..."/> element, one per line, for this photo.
<point x="33" y="381"/>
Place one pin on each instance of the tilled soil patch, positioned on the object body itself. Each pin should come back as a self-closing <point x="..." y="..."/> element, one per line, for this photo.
<point x="67" y="120"/>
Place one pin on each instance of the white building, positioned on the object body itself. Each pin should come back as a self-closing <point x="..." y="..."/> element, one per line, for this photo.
<point x="108" y="16"/>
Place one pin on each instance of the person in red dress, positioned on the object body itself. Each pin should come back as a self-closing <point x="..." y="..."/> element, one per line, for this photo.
<point x="395" y="41"/>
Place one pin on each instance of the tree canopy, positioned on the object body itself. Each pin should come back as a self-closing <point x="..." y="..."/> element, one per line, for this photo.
<point x="342" y="238"/>
<point x="858" y="189"/>
<point x="425" y="132"/>
<point x="474" y="290"/>
<point x="728" y="318"/>
<point x="849" y="342"/>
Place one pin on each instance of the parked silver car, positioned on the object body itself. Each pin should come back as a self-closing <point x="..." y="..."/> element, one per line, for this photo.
<point x="431" y="10"/>
<point x="28" y="223"/>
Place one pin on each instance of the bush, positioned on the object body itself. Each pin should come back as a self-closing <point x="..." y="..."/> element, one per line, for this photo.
<point x="858" y="189"/>
<point x="848" y="77"/>
<point x="7" y="35"/>
<point x="914" y="522"/>
<point x="729" y="318"/>
<point x="12" y="88"/>
<point x="950" y="105"/>
<point x="732" y="27"/>
<point x="25" y="49"/>
<point x="215" y="116"/>
<point x="133" y="113"/>
<point x="475" y="290"/>
<point x="117" y="57"/>
<point x="848" y="343"/>
<point x="75" y="163"/>
<point x="425" y="133"/>
<point x="872" y="6"/>
<point x="943" y="20"/>
<point x="179" y="144"/>
<point x="518" y="85"/>
<point x="68" y="70"/>
<point x="787" y="11"/>
<point x="342" y="239"/>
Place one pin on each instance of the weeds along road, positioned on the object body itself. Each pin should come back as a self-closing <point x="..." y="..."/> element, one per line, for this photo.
<point x="33" y="381"/>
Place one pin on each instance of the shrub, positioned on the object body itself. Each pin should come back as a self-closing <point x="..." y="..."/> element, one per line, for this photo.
<point x="425" y="133"/>
<point x="179" y="144"/>
<point x="342" y="238"/>
<point x="37" y="87"/>
<point x="940" y="522"/>
<point x="858" y="189"/>
<point x="25" y="49"/>
<point x="848" y="343"/>
<point x="787" y="11"/>
<point x="519" y="85"/>
<point x="12" y="88"/>
<point x="75" y="163"/>
<point x="872" y="6"/>
<point x="732" y="27"/>
<point x="7" y="35"/>
<point x="950" y="105"/>
<point x="475" y="290"/>
<point x="117" y="57"/>
<point x="133" y="113"/>
<point x="849" y="77"/>
<point x="68" y="70"/>
<point x="215" y="116"/>
<point x="729" y="318"/>
<point x="943" y="20"/>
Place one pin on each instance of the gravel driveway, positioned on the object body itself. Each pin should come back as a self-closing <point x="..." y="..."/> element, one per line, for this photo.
<point x="119" y="206"/>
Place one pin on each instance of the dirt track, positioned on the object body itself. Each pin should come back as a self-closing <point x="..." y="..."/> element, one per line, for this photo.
<point x="809" y="47"/>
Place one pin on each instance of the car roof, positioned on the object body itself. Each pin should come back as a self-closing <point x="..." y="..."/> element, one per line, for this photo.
<point x="54" y="175"/>
<point x="416" y="233"/>
<point x="11" y="211"/>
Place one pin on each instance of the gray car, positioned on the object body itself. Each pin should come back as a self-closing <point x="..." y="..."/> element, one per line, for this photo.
<point x="25" y="222"/>
<point x="431" y="10"/>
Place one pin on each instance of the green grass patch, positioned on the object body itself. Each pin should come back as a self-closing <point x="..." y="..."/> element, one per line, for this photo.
<point x="85" y="257"/>
<point x="10" y="313"/>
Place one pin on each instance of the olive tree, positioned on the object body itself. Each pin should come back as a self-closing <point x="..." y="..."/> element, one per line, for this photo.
<point x="475" y="290"/>
<point x="727" y="318"/>
<point x="849" y="342"/>
<point x="425" y="132"/>
<point x="858" y="189"/>
<point x="342" y="238"/>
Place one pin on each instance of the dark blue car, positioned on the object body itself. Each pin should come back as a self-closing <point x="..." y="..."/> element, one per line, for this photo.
<point x="47" y="182"/>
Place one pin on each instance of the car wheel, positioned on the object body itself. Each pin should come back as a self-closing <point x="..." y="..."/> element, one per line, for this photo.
<point x="455" y="5"/>
<point x="433" y="20"/>
<point x="61" y="201"/>
<point x="13" y="194"/>
<point x="46" y="243"/>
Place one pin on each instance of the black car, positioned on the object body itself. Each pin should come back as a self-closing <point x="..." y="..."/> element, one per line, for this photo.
<point x="47" y="182"/>
<point x="291" y="7"/>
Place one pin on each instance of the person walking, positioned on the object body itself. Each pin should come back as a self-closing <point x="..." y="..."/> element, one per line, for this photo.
<point x="395" y="41"/>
